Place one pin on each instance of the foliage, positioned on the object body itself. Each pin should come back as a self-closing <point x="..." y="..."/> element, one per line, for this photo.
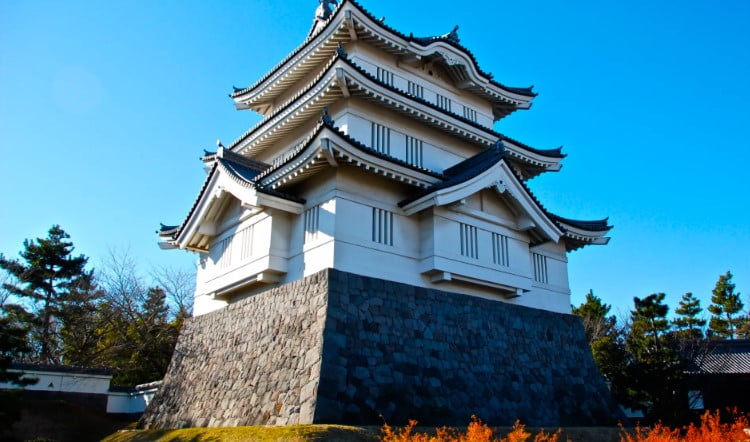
<point x="596" y="319"/>
<point x="725" y="308"/>
<point x="46" y="275"/>
<point x="687" y="324"/>
<point x="138" y="332"/>
<point x="68" y="314"/>
<point x="292" y="433"/>
<point x="656" y="368"/>
<point x="13" y="344"/>
<point x="477" y="431"/>
<point x="711" y="429"/>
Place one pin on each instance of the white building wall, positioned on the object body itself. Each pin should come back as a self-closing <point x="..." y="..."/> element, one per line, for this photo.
<point x="63" y="382"/>
<point x="424" y="247"/>
<point x="439" y="150"/>
<point x="424" y="74"/>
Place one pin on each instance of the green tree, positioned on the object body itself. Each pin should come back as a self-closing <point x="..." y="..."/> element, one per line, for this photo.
<point x="655" y="367"/>
<point x="46" y="274"/>
<point x="13" y="346"/>
<point x="138" y="332"/>
<point x="687" y="324"/>
<point x="606" y="341"/>
<point x="725" y="309"/>
<point x="595" y="316"/>
<point x="81" y="322"/>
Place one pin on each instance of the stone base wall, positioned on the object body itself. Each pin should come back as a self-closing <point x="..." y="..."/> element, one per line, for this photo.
<point x="342" y="348"/>
<point x="254" y="362"/>
<point x="407" y="352"/>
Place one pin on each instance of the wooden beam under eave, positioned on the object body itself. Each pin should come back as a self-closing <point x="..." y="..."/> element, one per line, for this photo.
<point x="341" y="82"/>
<point x="350" y="24"/>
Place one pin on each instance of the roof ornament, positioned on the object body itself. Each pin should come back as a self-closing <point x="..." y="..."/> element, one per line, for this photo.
<point x="453" y="35"/>
<point x="322" y="14"/>
<point x="340" y="51"/>
<point x="327" y="117"/>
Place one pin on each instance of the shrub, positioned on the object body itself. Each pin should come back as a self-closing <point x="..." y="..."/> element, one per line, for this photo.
<point x="711" y="429"/>
<point x="477" y="431"/>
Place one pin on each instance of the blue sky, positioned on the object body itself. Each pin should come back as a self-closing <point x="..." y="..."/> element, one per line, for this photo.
<point x="105" y="108"/>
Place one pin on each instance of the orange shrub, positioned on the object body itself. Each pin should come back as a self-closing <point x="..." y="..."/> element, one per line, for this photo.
<point x="477" y="431"/>
<point x="710" y="430"/>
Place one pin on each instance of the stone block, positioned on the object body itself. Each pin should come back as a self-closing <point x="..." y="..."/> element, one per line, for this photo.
<point x="341" y="348"/>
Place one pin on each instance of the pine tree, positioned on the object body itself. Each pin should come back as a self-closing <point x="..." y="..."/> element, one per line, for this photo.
<point x="81" y="322"/>
<point x="46" y="274"/>
<point x="725" y="308"/>
<point x="655" y="368"/>
<point x="687" y="324"/>
<point x="595" y="316"/>
<point x="649" y="324"/>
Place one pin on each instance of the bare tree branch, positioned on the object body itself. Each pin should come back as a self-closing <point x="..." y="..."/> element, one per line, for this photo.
<point x="179" y="285"/>
<point x="124" y="288"/>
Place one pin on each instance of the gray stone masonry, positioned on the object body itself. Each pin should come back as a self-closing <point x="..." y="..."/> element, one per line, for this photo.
<point x="255" y="362"/>
<point x="342" y="348"/>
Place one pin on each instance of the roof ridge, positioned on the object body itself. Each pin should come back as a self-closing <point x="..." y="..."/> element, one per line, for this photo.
<point x="294" y="52"/>
<point x="242" y="160"/>
<point x="338" y="55"/>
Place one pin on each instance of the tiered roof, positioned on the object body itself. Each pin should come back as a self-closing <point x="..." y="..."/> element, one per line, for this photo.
<point x="327" y="146"/>
<point x="350" y="22"/>
<point x="501" y="163"/>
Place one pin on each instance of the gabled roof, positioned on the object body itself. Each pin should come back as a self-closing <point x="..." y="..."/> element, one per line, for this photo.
<point x="488" y="169"/>
<point x="327" y="146"/>
<point x="267" y="179"/>
<point x="233" y="173"/>
<point x="342" y="77"/>
<point x="345" y="21"/>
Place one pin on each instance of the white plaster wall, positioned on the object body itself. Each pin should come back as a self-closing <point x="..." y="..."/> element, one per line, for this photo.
<point x="423" y="244"/>
<point x="427" y="75"/>
<point x="440" y="150"/>
<point x="130" y="403"/>
<point x="63" y="382"/>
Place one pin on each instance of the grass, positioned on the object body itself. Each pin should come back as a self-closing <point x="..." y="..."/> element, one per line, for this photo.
<point x="710" y="429"/>
<point x="292" y="433"/>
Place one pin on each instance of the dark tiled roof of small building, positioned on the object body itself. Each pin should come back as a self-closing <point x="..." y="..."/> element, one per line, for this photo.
<point x="57" y="368"/>
<point x="723" y="357"/>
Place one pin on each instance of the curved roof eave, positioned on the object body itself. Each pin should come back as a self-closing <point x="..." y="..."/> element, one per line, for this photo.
<point x="523" y="95"/>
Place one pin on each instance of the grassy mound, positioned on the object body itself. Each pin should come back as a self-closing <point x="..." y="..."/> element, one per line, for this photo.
<point x="294" y="433"/>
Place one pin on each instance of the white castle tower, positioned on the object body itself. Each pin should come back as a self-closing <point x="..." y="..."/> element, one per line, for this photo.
<point x="377" y="156"/>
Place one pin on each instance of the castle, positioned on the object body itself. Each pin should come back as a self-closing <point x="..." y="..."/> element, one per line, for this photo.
<point x="377" y="156"/>
<point x="371" y="247"/>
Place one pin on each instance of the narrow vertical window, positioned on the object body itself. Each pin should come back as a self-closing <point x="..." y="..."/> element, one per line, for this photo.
<point x="470" y="113"/>
<point x="246" y="246"/>
<point x="414" y="148"/>
<point x="225" y="252"/>
<point x="540" y="268"/>
<point x="444" y="102"/>
<point x="416" y="90"/>
<point x="382" y="226"/>
<point x="385" y="76"/>
<point x="312" y="223"/>
<point x="381" y="138"/>
<point x="500" y="250"/>
<point x="469" y="243"/>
